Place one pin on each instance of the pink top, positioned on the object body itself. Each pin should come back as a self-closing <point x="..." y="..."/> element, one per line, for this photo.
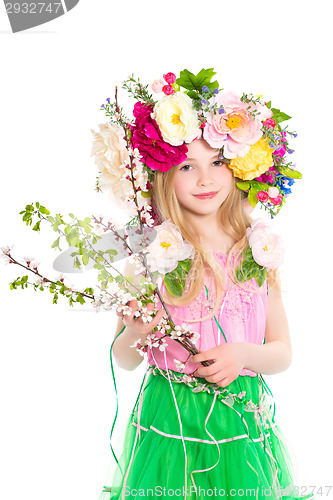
<point x="242" y="317"/>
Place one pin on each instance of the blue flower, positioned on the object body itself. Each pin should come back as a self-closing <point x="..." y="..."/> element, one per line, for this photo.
<point x="205" y="88"/>
<point x="216" y="91"/>
<point x="221" y="111"/>
<point x="203" y="101"/>
<point x="284" y="183"/>
<point x="108" y="99"/>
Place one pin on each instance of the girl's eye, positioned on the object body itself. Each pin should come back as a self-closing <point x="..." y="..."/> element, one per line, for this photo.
<point x="185" y="167"/>
<point x="217" y="163"/>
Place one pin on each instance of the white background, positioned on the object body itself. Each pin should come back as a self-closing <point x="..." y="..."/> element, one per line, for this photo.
<point x="57" y="396"/>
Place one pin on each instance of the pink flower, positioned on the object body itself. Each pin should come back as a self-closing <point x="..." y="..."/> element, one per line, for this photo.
<point x="168" y="90"/>
<point x="276" y="201"/>
<point x="170" y="78"/>
<point x="268" y="176"/>
<point x="267" y="247"/>
<point x="270" y="123"/>
<point x="156" y="153"/>
<point x="157" y="86"/>
<point x="273" y="192"/>
<point x="235" y="128"/>
<point x="262" y="196"/>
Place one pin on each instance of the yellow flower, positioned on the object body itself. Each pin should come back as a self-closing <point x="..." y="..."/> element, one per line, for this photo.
<point x="257" y="161"/>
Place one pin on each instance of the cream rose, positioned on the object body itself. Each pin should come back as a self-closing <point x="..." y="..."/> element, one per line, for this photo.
<point x="176" y="118"/>
<point x="111" y="156"/>
<point x="267" y="247"/>
<point x="168" y="248"/>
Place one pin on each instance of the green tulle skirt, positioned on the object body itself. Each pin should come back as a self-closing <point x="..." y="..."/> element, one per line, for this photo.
<point x="189" y="439"/>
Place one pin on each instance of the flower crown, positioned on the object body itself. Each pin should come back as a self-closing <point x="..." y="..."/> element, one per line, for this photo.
<point x="246" y="130"/>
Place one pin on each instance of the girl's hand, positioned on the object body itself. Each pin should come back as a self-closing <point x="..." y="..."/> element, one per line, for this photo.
<point x="229" y="361"/>
<point x="136" y="325"/>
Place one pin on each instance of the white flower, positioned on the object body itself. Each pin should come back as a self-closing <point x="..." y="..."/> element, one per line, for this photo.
<point x="177" y="119"/>
<point x="6" y="250"/>
<point x="178" y="364"/>
<point x="267" y="247"/>
<point x="168" y="248"/>
<point x="139" y="347"/>
<point x="112" y="158"/>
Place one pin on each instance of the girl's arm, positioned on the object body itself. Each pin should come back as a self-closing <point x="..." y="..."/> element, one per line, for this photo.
<point x="272" y="357"/>
<point x="128" y="357"/>
<point x="276" y="354"/>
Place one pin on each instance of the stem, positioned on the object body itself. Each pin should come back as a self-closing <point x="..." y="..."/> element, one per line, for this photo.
<point x="46" y="279"/>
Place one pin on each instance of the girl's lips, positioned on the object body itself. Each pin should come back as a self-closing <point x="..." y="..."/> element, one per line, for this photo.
<point x="206" y="195"/>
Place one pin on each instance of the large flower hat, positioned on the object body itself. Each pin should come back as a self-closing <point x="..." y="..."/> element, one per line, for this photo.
<point x="244" y="128"/>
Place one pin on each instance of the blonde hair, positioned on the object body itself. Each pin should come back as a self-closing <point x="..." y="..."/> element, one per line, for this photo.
<point x="232" y="218"/>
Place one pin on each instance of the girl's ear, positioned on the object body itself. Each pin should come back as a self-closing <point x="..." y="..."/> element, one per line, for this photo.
<point x="247" y="206"/>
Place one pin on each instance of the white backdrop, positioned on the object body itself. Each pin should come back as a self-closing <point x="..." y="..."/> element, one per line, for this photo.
<point x="57" y="396"/>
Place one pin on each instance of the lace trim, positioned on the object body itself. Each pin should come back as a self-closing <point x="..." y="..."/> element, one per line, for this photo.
<point x="261" y="411"/>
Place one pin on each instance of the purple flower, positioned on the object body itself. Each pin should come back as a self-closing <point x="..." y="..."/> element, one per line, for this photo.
<point x="221" y="111"/>
<point x="216" y="91"/>
<point x="205" y="88"/>
<point x="203" y="101"/>
<point x="156" y="153"/>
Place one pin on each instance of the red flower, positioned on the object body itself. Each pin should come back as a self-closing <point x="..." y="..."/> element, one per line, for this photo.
<point x="168" y="89"/>
<point x="270" y="123"/>
<point x="170" y="78"/>
<point x="276" y="201"/>
<point x="262" y="196"/>
<point x="156" y="153"/>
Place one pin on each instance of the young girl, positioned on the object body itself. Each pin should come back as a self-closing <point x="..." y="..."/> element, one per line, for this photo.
<point x="204" y="425"/>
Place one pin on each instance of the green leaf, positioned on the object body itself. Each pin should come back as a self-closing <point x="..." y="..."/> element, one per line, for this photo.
<point x="189" y="81"/>
<point x="80" y="299"/>
<point x="192" y="94"/>
<point x="185" y="264"/>
<point x="244" y="186"/>
<point x="279" y="116"/>
<point x="146" y="194"/>
<point x="262" y="275"/>
<point x="288" y="172"/>
<point x="44" y="210"/>
<point x="173" y="285"/>
<point x="85" y="259"/>
<point x="55" y="244"/>
<point x="252" y="197"/>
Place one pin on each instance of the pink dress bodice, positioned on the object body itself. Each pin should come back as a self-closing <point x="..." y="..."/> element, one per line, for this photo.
<point x="241" y="315"/>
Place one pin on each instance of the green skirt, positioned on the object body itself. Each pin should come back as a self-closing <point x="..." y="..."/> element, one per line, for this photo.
<point x="190" y="439"/>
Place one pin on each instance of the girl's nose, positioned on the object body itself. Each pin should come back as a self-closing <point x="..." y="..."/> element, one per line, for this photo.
<point x="205" y="178"/>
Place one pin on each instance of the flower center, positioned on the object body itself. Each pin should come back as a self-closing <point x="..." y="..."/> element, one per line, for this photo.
<point x="175" y="119"/>
<point x="233" y="122"/>
<point x="154" y="142"/>
<point x="265" y="248"/>
<point x="165" y="245"/>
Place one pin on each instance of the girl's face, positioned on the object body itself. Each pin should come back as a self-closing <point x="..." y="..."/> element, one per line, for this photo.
<point x="202" y="172"/>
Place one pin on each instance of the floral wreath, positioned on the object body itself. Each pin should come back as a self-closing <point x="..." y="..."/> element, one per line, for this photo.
<point x="246" y="130"/>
